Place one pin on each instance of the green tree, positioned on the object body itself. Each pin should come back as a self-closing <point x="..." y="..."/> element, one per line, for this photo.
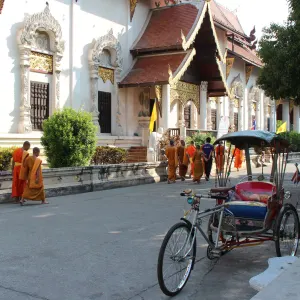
<point x="69" y="138"/>
<point x="279" y="50"/>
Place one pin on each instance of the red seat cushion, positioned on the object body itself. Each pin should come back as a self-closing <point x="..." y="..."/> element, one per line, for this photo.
<point x="255" y="191"/>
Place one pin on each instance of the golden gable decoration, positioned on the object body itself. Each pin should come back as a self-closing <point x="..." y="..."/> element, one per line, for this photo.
<point x="133" y="4"/>
<point x="40" y="62"/>
<point x="249" y="70"/>
<point x="106" y="74"/>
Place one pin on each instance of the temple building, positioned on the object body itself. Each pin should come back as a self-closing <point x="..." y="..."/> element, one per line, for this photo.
<point x="117" y="58"/>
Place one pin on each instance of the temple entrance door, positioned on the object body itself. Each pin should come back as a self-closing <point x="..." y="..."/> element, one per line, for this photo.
<point x="187" y="116"/>
<point x="104" y="107"/>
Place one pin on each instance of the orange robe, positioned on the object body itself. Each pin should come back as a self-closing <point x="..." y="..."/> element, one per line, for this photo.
<point x="34" y="190"/>
<point x="238" y="158"/>
<point x="220" y="157"/>
<point x="18" y="184"/>
<point x="183" y="161"/>
<point x="171" y="153"/>
<point x="198" y="169"/>
<point x="190" y="150"/>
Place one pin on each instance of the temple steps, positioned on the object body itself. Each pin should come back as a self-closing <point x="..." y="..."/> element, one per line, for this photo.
<point x="136" y="154"/>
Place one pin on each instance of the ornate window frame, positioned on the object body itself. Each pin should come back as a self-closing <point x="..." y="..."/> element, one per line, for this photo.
<point x="106" y="42"/>
<point x="253" y="102"/>
<point x="26" y="41"/>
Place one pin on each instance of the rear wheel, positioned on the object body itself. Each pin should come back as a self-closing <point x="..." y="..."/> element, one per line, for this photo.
<point x="175" y="263"/>
<point x="287" y="232"/>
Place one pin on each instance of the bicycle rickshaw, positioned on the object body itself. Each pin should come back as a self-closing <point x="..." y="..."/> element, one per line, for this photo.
<point x="253" y="211"/>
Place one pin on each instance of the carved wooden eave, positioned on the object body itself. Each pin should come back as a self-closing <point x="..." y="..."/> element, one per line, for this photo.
<point x="182" y="68"/>
<point x="189" y="39"/>
<point x="1" y="5"/>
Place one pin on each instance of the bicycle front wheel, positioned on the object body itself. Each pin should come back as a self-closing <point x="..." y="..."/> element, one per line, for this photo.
<point x="176" y="259"/>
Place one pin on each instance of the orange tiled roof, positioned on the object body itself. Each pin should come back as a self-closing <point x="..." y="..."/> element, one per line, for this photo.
<point x="245" y="53"/>
<point x="165" y="26"/>
<point x="225" y="17"/>
<point x="153" y="69"/>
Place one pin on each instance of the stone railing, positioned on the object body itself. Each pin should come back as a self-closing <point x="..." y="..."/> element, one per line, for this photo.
<point x="66" y="181"/>
<point x="294" y="157"/>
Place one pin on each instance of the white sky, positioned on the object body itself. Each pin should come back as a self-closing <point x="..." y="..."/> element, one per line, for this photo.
<point x="258" y="12"/>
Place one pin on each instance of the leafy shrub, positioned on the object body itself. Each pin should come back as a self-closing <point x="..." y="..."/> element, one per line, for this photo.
<point x="5" y="158"/>
<point x="294" y="139"/>
<point x="164" y="142"/>
<point x="69" y="138"/>
<point x="199" y="138"/>
<point x="109" y="155"/>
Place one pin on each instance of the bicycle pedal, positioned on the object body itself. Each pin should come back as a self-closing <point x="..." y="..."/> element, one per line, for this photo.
<point x="216" y="253"/>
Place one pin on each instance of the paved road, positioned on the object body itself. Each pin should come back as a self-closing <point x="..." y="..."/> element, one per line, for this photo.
<point x="104" y="245"/>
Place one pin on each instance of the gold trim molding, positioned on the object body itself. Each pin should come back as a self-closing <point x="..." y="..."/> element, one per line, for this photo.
<point x="106" y="74"/>
<point x="133" y="4"/>
<point x="158" y="95"/>
<point x="184" y="92"/>
<point x="249" y="70"/>
<point x="1" y="5"/>
<point x="229" y="65"/>
<point x="41" y="62"/>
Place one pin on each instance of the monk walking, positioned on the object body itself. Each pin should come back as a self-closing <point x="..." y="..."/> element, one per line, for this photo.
<point x="220" y="157"/>
<point x="18" y="159"/>
<point x="183" y="160"/>
<point x="238" y="158"/>
<point x="198" y="162"/>
<point x="191" y="149"/>
<point x="171" y="153"/>
<point x="34" y="189"/>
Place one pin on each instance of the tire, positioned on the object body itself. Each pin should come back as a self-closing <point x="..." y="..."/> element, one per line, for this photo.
<point x="190" y="260"/>
<point x="286" y="213"/>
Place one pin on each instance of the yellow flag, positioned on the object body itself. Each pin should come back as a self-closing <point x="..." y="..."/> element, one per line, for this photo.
<point x="282" y="128"/>
<point x="153" y="118"/>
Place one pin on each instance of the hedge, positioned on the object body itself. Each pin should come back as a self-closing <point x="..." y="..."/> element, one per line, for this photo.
<point x="109" y="155"/>
<point x="6" y="157"/>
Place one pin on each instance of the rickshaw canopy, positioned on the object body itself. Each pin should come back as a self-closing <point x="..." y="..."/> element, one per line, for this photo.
<point x="253" y="138"/>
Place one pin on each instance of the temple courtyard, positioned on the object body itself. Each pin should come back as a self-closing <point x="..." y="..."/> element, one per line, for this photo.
<point x="104" y="245"/>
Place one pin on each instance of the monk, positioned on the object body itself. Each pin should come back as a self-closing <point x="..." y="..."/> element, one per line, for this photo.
<point x="220" y="157"/>
<point x="171" y="153"/>
<point x="238" y="158"/>
<point x="198" y="164"/>
<point x="18" y="160"/>
<point x="183" y="160"/>
<point x="191" y="151"/>
<point x="34" y="189"/>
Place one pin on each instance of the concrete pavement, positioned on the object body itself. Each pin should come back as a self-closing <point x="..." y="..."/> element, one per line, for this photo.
<point x="104" y="245"/>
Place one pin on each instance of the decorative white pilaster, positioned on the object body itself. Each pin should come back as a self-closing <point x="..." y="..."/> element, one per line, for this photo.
<point x="166" y="103"/>
<point x="241" y="114"/>
<point x="56" y="80"/>
<point x="231" y="113"/>
<point x="246" y="110"/>
<point x="94" y="96"/>
<point x="25" y="121"/>
<point x="220" y="112"/>
<point x="296" y="118"/>
<point x="209" y="122"/>
<point x="262" y="111"/>
<point x="273" y="117"/>
<point x="257" y="114"/>
<point x="203" y="105"/>
<point x="286" y="113"/>
<point x="144" y="126"/>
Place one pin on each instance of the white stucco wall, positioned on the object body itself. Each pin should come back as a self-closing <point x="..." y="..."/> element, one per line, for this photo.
<point x="90" y="20"/>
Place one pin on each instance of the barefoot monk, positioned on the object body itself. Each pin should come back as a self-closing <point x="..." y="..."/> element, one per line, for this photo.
<point x="18" y="160"/>
<point x="34" y="189"/>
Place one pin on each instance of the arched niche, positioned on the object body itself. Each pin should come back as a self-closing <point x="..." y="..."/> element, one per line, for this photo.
<point x="253" y="104"/>
<point x="105" y="62"/>
<point x="41" y="49"/>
